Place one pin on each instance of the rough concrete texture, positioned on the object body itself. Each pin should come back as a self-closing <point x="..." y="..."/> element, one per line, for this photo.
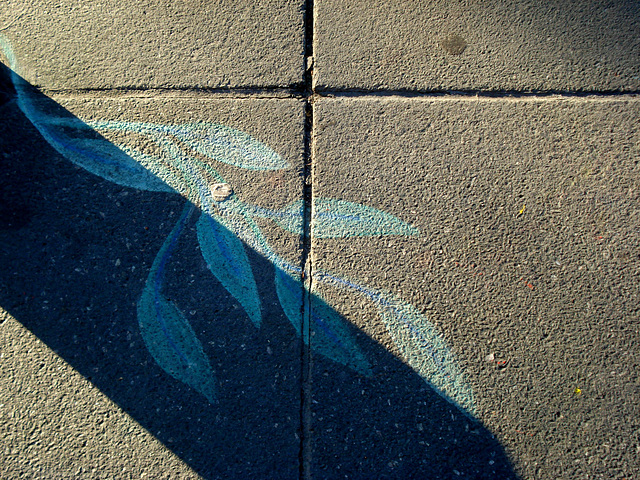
<point x="76" y="253"/>
<point x="487" y="243"/>
<point x="493" y="45"/>
<point x="56" y="424"/>
<point x="527" y="265"/>
<point x="156" y="44"/>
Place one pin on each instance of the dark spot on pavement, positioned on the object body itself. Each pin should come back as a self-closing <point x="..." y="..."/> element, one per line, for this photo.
<point x="453" y="44"/>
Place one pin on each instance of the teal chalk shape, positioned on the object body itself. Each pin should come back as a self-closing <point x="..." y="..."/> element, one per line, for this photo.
<point x="167" y="334"/>
<point x="173" y="344"/>
<point x="332" y="218"/>
<point x="184" y="163"/>
<point x="226" y="258"/>
<point x="119" y="164"/>
<point x="330" y="335"/>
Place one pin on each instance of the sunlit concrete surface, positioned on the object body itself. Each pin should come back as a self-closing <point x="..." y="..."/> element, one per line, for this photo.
<point x="526" y="261"/>
<point x="319" y="240"/>
<point x="155" y="44"/>
<point x="478" y="45"/>
<point x="56" y="424"/>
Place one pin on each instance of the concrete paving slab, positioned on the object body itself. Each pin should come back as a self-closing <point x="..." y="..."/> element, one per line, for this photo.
<point x="477" y="45"/>
<point x="170" y="315"/>
<point x="56" y="424"/>
<point x="156" y="44"/>
<point x="491" y="248"/>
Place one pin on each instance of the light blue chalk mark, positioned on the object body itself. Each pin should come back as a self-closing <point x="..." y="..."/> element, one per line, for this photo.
<point x="190" y="182"/>
<point x="167" y="334"/>
<point x="218" y="142"/>
<point x="290" y="218"/>
<point x="222" y="228"/>
<point x="331" y="218"/>
<point x="290" y="294"/>
<point x="226" y="258"/>
<point x="95" y="155"/>
<point x="228" y="145"/>
<point x="128" y="167"/>
<point x="329" y="330"/>
<point x="117" y="163"/>
<point x="240" y="220"/>
<point x="426" y="352"/>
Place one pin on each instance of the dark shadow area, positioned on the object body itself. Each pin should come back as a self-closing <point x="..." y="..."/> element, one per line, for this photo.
<point x="75" y="252"/>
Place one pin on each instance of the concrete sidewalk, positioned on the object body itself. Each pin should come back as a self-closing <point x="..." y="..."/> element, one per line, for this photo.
<point x="409" y="244"/>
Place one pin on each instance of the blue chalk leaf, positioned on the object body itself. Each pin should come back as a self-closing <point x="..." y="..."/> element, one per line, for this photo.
<point x="426" y="352"/>
<point x="337" y="218"/>
<point x="290" y="218"/>
<point x="330" y="332"/>
<point x="290" y="293"/>
<point x="168" y="336"/>
<point x="173" y="343"/>
<point x="333" y="218"/>
<point x="116" y="163"/>
<point x="228" y="145"/>
<point x="226" y="258"/>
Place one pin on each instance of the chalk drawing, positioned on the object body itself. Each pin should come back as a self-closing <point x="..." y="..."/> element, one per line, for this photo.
<point x="226" y="226"/>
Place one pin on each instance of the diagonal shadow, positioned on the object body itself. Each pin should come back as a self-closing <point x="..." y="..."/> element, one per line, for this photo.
<point x="75" y="252"/>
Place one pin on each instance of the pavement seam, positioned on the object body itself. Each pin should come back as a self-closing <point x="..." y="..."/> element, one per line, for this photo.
<point x="295" y="92"/>
<point x="307" y="245"/>
<point x="307" y="265"/>
<point x="389" y="92"/>
<point x="176" y="92"/>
